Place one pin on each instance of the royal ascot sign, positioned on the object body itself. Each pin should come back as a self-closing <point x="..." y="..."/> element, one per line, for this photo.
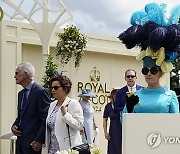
<point x="1" y="13"/>
<point x="100" y="89"/>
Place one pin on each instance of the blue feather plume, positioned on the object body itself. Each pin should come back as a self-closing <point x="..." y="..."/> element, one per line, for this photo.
<point x="175" y="16"/>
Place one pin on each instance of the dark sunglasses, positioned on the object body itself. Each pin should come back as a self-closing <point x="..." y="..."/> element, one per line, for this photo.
<point x="152" y="70"/>
<point x="130" y="76"/>
<point x="16" y="73"/>
<point x="55" y="87"/>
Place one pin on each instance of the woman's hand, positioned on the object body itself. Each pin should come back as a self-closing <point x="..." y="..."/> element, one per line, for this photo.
<point x="64" y="109"/>
<point x="82" y="131"/>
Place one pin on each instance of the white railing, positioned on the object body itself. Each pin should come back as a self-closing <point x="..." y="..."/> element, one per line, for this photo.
<point x="10" y="136"/>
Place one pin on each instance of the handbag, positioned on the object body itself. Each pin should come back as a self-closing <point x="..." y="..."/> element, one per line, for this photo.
<point x="82" y="148"/>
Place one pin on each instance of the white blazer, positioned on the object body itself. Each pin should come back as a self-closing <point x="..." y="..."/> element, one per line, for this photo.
<point x="74" y="118"/>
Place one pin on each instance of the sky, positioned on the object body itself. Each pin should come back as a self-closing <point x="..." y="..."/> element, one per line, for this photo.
<point x="105" y="17"/>
<point x="108" y="17"/>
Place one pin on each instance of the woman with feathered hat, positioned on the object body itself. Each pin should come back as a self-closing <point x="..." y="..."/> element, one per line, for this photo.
<point x="159" y="41"/>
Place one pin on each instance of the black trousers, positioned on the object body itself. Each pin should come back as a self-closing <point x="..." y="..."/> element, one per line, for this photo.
<point x="23" y="148"/>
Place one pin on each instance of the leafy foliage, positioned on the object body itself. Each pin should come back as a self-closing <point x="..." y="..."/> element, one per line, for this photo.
<point x="175" y="77"/>
<point x="71" y="44"/>
<point x="50" y="71"/>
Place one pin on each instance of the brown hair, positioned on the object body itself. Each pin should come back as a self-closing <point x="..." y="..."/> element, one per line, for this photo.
<point x="130" y="70"/>
<point x="64" y="81"/>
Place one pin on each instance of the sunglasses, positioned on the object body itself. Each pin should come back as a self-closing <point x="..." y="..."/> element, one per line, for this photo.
<point x="152" y="70"/>
<point x="16" y="73"/>
<point x="55" y="87"/>
<point x="130" y="76"/>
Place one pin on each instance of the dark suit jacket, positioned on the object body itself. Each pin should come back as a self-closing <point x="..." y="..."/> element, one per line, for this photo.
<point x="33" y="117"/>
<point x="120" y="100"/>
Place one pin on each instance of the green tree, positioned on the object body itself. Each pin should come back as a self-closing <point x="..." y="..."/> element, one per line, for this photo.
<point x="50" y="71"/>
<point x="175" y="77"/>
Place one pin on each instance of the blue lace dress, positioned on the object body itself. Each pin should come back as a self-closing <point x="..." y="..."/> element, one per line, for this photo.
<point x="54" y="145"/>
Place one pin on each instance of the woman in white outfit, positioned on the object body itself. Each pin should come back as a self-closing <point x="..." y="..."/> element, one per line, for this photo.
<point x="62" y="112"/>
<point x="88" y="112"/>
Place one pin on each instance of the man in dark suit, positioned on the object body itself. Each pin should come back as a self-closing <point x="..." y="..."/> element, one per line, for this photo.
<point x="33" y="104"/>
<point x="120" y="101"/>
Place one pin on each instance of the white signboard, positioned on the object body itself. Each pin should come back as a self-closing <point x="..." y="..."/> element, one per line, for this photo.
<point x="151" y="133"/>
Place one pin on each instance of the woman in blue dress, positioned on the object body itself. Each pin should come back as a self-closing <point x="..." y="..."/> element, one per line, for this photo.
<point x="154" y="98"/>
<point x="158" y="39"/>
<point x="114" y="135"/>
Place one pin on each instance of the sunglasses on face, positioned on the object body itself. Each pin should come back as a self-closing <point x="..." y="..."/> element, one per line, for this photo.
<point x="55" y="87"/>
<point x="130" y="76"/>
<point x="152" y="70"/>
<point x="16" y="73"/>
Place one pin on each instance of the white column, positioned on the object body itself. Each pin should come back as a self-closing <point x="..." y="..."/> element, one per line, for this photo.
<point x="10" y="55"/>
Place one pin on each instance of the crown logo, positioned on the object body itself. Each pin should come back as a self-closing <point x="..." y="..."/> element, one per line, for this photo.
<point x="95" y="75"/>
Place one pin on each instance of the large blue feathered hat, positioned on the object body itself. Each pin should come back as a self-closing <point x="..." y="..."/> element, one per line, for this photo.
<point x="157" y="37"/>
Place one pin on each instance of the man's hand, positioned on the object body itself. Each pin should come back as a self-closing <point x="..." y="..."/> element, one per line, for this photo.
<point x="15" y="130"/>
<point x="131" y="102"/>
<point x="107" y="136"/>
<point x="36" y="146"/>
